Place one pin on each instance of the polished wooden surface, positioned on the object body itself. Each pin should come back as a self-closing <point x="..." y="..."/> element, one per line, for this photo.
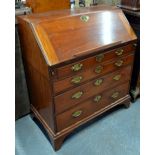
<point x="88" y="107"/>
<point x="72" y="64"/>
<point x="66" y="70"/>
<point x="47" y="5"/>
<point x="40" y="17"/>
<point x="37" y="74"/>
<point x="66" y="98"/>
<point x="107" y="67"/>
<point x="65" y="101"/>
<point x="88" y="36"/>
<point x="58" y="138"/>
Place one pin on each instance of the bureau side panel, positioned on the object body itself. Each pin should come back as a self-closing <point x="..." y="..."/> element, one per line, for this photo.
<point x="37" y="75"/>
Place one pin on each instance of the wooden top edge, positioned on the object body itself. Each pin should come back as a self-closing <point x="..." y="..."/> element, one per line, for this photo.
<point x="48" y="49"/>
<point x="37" y="17"/>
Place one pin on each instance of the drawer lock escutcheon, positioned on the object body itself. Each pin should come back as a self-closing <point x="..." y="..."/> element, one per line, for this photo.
<point x="77" y="95"/>
<point x="98" y="82"/>
<point x="77" y="67"/>
<point x="115" y="95"/>
<point x="76" y="79"/>
<point x="84" y="18"/>
<point x="119" y="63"/>
<point x="77" y="113"/>
<point x="119" y="52"/>
<point x="117" y="77"/>
<point x="98" y="69"/>
<point x="99" y="58"/>
<point x="97" y="98"/>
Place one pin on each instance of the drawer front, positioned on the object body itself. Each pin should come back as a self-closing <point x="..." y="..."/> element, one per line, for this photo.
<point x="85" y="64"/>
<point x="93" y="104"/>
<point x="81" y="93"/>
<point x="93" y="72"/>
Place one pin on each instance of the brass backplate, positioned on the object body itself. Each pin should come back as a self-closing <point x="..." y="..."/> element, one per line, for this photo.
<point x="84" y="18"/>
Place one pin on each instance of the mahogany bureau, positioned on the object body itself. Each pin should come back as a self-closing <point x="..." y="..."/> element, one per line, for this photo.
<point x="78" y="65"/>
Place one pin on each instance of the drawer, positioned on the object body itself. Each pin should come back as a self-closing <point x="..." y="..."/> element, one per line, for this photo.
<point x="93" y="104"/>
<point x="85" y="64"/>
<point x="81" y="93"/>
<point x="91" y="73"/>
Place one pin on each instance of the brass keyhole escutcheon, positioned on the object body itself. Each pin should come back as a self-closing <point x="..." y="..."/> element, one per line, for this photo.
<point x="119" y="52"/>
<point x="77" y="67"/>
<point x="98" y="69"/>
<point x="97" y="98"/>
<point x="77" y="113"/>
<point x="77" y="95"/>
<point x="98" y="82"/>
<point x="84" y="18"/>
<point x="99" y="58"/>
<point x="76" y="80"/>
<point x="117" y="77"/>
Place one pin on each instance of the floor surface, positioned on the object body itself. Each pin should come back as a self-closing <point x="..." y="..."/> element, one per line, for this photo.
<point x="114" y="133"/>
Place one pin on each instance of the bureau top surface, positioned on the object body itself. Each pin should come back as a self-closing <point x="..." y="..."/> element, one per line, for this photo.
<point x="68" y="34"/>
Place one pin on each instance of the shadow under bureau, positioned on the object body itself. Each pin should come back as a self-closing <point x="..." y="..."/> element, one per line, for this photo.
<point x="78" y="65"/>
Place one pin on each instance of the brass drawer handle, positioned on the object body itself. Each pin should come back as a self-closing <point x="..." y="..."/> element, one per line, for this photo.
<point x="99" y="57"/>
<point x="76" y="79"/>
<point x="119" y="63"/>
<point x="77" y="95"/>
<point x="98" y="82"/>
<point x="77" y="113"/>
<point x="119" y="52"/>
<point x="98" y="69"/>
<point x="97" y="98"/>
<point x="117" y="77"/>
<point x="115" y="95"/>
<point x="77" y="67"/>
